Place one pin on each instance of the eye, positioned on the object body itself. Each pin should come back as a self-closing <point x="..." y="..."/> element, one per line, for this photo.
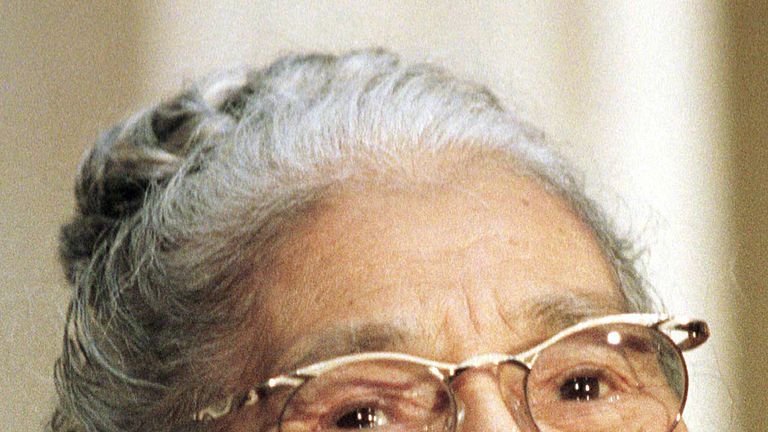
<point x="362" y="418"/>
<point x="581" y="388"/>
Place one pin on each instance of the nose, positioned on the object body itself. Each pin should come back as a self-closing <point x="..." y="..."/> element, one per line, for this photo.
<point x="489" y="407"/>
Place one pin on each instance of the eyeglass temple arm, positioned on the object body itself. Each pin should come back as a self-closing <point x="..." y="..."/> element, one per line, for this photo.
<point x="250" y="397"/>
<point x="687" y="334"/>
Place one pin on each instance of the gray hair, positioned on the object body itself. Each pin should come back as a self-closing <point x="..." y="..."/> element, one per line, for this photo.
<point x="176" y="204"/>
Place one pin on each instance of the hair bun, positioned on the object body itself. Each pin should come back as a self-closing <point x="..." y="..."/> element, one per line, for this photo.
<point x="143" y="154"/>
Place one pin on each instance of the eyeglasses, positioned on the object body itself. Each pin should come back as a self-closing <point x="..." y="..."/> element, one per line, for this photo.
<point x="618" y="372"/>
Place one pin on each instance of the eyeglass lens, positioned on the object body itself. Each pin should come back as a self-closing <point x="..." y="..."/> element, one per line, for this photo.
<point x="381" y="394"/>
<point x="607" y="378"/>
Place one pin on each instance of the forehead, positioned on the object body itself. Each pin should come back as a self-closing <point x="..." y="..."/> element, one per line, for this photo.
<point x="456" y="267"/>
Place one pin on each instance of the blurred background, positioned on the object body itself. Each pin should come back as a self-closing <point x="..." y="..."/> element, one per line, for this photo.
<point x="661" y="105"/>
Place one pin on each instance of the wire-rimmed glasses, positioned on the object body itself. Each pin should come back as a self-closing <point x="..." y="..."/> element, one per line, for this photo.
<point x="618" y="372"/>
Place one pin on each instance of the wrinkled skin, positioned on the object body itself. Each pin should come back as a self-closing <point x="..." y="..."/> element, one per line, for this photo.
<point x="459" y="269"/>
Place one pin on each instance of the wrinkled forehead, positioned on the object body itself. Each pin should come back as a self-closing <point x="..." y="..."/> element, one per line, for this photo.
<point x="489" y="261"/>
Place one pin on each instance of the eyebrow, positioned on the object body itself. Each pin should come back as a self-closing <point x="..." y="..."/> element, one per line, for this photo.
<point x="547" y="313"/>
<point x="556" y="313"/>
<point x="351" y="339"/>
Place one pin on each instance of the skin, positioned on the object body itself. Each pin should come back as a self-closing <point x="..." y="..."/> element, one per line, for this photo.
<point x="486" y="262"/>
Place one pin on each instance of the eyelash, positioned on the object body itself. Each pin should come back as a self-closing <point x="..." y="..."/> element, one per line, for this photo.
<point x="613" y="380"/>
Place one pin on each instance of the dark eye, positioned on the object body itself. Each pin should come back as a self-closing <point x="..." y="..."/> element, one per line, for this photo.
<point x="361" y="418"/>
<point x="581" y="388"/>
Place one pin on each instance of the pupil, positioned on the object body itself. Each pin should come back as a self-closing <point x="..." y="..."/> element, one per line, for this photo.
<point x="580" y="389"/>
<point x="360" y="418"/>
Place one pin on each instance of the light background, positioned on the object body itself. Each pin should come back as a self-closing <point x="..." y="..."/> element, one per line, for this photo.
<point x="662" y="105"/>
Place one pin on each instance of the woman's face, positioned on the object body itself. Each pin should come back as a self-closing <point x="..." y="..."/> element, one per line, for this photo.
<point x="488" y="263"/>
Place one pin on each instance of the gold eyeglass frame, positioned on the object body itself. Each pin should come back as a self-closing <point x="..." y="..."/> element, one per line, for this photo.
<point x="684" y="333"/>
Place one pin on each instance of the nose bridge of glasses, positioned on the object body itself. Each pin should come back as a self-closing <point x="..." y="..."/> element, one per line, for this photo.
<point x="490" y="395"/>
<point x="486" y="360"/>
<point x="508" y="371"/>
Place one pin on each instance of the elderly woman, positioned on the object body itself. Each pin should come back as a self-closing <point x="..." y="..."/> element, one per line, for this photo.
<point x="337" y="243"/>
